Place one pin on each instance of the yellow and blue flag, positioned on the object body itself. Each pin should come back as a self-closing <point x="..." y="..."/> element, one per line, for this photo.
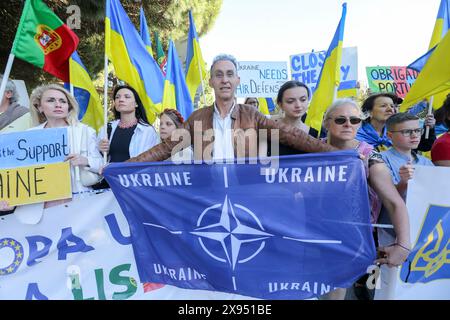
<point x="434" y="77"/>
<point x="195" y="65"/>
<point x="440" y="29"/>
<point x="329" y="77"/>
<point x="132" y="62"/>
<point x="442" y="23"/>
<point x="266" y="105"/>
<point x="91" y="111"/>
<point x="145" y="34"/>
<point x="176" y="93"/>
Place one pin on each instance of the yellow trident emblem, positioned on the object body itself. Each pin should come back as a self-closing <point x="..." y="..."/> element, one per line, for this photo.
<point x="430" y="255"/>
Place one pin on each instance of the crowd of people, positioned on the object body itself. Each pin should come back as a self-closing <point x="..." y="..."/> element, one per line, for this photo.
<point x="389" y="142"/>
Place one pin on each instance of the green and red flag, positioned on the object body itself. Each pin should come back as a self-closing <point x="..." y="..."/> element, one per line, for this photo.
<point x="160" y="55"/>
<point x="43" y="40"/>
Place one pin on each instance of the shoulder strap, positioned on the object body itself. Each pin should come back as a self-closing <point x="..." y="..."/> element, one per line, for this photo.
<point x="108" y="130"/>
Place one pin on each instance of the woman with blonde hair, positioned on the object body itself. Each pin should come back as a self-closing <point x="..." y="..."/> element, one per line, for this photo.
<point x="52" y="106"/>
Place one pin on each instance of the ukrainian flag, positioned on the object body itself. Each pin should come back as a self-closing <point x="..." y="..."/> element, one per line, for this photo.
<point x="195" y="65"/>
<point x="91" y="111"/>
<point x="266" y="105"/>
<point x="442" y="23"/>
<point x="441" y="28"/>
<point x="145" y="35"/>
<point x="176" y="93"/>
<point x="329" y="77"/>
<point x="347" y="89"/>
<point x="434" y="77"/>
<point x="132" y="62"/>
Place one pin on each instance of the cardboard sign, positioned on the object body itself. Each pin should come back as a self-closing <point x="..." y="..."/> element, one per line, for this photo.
<point x="261" y="79"/>
<point x="25" y="185"/>
<point x="396" y="80"/>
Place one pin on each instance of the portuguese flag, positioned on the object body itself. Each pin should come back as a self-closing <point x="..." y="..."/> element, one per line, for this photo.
<point x="160" y="56"/>
<point x="43" y="40"/>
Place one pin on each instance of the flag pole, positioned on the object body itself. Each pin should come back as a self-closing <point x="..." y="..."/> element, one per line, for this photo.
<point x="430" y="111"/>
<point x="105" y="106"/>
<point x="6" y="75"/>
<point x="335" y="93"/>
<point x="203" y="87"/>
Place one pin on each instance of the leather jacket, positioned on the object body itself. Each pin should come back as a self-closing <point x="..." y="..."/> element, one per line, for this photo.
<point x="200" y="134"/>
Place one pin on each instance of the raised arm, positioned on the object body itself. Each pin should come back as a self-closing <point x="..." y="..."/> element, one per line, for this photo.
<point x="293" y="137"/>
<point x="381" y="181"/>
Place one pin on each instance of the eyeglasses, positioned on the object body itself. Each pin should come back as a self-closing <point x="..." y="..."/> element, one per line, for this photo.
<point x="409" y="132"/>
<point x="342" y="120"/>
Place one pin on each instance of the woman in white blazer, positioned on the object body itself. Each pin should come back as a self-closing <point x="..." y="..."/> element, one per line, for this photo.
<point x="52" y="106"/>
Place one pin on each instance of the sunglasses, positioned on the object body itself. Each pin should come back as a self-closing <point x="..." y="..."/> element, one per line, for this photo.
<point x="342" y="120"/>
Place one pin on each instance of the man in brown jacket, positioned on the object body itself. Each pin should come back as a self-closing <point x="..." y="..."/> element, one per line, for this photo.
<point x="227" y="130"/>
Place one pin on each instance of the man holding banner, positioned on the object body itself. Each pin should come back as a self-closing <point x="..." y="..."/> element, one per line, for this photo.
<point x="225" y="126"/>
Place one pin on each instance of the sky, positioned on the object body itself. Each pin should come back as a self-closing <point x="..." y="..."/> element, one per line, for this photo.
<point x="386" y="32"/>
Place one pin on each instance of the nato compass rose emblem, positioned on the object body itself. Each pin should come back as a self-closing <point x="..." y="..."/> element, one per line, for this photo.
<point x="230" y="233"/>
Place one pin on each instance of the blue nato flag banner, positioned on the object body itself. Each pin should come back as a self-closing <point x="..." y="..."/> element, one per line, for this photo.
<point x="303" y="233"/>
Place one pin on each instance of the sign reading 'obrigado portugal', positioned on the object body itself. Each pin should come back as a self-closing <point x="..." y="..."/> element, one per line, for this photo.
<point x="261" y="79"/>
<point x="396" y="80"/>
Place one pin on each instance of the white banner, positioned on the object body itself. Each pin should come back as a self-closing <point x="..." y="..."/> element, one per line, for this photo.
<point x="79" y="250"/>
<point x="305" y="67"/>
<point x="427" y="273"/>
<point x="261" y="79"/>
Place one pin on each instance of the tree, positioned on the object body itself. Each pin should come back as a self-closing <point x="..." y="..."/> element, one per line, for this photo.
<point x="168" y="17"/>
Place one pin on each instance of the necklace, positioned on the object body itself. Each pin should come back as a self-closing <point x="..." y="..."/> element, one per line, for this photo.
<point x="127" y="125"/>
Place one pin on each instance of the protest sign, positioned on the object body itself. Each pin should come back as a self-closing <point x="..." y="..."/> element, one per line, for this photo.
<point x="27" y="148"/>
<point x="397" y="80"/>
<point x="45" y="182"/>
<point x="32" y="168"/>
<point x="305" y="67"/>
<point x="426" y="272"/>
<point x="261" y="79"/>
